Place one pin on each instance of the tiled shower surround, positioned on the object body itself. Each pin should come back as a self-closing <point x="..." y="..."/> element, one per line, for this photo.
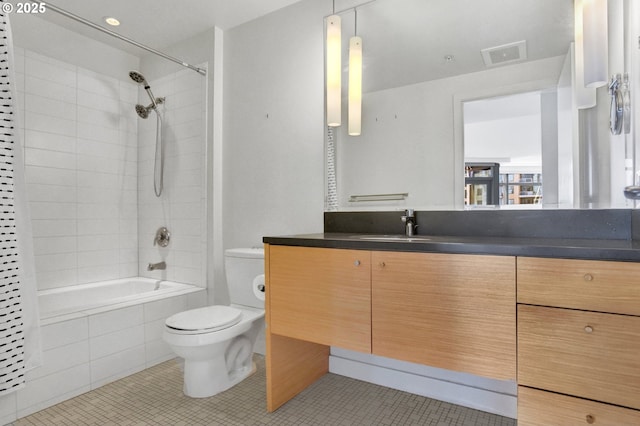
<point x="89" y="171"/>
<point x="81" y="171"/>
<point x="89" y="168"/>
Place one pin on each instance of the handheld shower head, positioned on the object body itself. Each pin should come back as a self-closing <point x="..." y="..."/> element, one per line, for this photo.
<point x="139" y="78"/>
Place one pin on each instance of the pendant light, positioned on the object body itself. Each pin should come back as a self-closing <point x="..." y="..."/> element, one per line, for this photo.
<point x="334" y="70"/>
<point x="584" y="97"/>
<point x="355" y="82"/>
<point x="595" y="42"/>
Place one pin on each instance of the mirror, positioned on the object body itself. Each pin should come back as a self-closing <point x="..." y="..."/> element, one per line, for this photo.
<point x="426" y="64"/>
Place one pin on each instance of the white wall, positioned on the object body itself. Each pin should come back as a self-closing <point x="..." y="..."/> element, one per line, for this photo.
<point x="516" y="138"/>
<point x="273" y="125"/>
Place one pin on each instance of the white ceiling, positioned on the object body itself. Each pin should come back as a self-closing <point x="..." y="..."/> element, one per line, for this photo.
<point x="158" y="23"/>
<point x="404" y="41"/>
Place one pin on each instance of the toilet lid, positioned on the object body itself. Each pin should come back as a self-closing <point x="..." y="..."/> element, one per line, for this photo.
<point x="202" y="320"/>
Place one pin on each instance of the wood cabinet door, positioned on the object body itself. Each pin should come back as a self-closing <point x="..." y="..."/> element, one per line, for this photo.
<point x="587" y="354"/>
<point x="320" y="295"/>
<point x="450" y="311"/>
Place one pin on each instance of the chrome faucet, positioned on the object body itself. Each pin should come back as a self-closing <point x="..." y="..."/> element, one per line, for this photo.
<point x="160" y="265"/>
<point x="409" y="219"/>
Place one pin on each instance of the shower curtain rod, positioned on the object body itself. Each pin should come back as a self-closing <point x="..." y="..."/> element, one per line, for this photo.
<point x="80" y="19"/>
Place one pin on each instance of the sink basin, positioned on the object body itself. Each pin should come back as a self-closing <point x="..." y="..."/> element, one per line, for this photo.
<point x="392" y="238"/>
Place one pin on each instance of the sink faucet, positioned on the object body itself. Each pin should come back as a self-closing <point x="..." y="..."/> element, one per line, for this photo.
<point x="160" y="265"/>
<point x="409" y="219"/>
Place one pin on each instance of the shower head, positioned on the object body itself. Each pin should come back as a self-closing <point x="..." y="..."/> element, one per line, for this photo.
<point x="143" y="111"/>
<point x="138" y="78"/>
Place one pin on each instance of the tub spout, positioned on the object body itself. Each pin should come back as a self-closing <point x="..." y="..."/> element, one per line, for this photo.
<point x="160" y="265"/>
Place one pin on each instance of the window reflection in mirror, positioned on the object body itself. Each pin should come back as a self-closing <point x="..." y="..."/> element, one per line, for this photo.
<point x="503" y="150"/>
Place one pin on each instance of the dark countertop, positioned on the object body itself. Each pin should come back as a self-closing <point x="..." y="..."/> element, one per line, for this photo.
<point x="598" y="249"/>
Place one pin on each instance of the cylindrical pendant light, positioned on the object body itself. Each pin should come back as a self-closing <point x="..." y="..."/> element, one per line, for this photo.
<point x="355" y="86"/>
<point x="334" y="71"/>
<point x="595" y="42"/>
<point x="584" y="97"/>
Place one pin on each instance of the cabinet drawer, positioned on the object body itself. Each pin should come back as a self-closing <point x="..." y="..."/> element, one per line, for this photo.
<point x="580" y="284"/>
<point x="587" y="354"/>
<point x="540" y="408"/>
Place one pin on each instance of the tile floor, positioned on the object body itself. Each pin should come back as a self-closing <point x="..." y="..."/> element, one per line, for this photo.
<point x="154" y="397"/>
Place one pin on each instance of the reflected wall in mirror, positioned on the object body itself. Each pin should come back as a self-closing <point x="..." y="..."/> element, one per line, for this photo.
<point x="423" y="65"/>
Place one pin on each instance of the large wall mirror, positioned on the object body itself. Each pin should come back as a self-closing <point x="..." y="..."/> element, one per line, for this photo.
<point x="452" y="88"/>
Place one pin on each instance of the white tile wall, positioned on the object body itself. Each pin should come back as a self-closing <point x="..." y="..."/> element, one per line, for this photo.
<point x="181" y="207"/>
<point x="89" y="166"/>
<point x="80" y="135"/>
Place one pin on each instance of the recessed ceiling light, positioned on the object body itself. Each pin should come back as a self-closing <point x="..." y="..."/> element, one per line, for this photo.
<point x="111" y="21"/>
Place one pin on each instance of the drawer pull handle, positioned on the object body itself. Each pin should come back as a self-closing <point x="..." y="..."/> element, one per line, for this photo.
<point x="588" y="329"/>
<point x="357" y="263"/>
<point x="588" y="277"/>
<point x="382" y="264"/>
<point x="590" y="419"/>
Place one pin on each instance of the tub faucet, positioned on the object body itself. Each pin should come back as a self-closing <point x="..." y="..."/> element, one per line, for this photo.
<point x="409" y="219"/>
<point x="160" y="265"/>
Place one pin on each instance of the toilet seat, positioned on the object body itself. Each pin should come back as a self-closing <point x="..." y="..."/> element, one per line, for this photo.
<point x="204" y="320"/>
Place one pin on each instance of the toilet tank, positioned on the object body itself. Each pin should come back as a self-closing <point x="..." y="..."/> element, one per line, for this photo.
<point x="244" y="269"/>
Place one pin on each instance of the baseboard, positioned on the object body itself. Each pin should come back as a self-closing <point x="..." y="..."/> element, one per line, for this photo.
<point x="500" y="399"/>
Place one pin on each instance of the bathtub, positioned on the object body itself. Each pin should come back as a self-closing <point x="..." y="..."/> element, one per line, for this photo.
<point x="93" y="334"/>
<point x="60" y="304"/>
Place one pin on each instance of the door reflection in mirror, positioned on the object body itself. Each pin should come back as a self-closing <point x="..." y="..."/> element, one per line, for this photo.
<point x="503" y="150"/>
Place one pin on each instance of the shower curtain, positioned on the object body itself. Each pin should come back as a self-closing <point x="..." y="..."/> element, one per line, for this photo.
<point x="19" y="329"/>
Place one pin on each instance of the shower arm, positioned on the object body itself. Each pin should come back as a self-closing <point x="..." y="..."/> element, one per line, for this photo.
<point x="150" y="93"/>
<point x="80" y="19"/>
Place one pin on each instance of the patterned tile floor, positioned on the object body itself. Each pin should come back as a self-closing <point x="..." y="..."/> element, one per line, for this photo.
<point x="154" y="397"/>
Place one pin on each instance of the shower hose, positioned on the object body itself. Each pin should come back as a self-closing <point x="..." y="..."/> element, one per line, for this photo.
<point x="158" y="168"/>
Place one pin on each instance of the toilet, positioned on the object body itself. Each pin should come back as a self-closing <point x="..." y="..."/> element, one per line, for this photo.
<point x="216" y="342"/>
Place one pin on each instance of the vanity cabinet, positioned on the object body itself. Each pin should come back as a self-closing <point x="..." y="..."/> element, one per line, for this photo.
<point x="444" y="310"/>
<point x="450" y="311"/>
<point x="315" y="298"/>
<point x="579" y="336"/>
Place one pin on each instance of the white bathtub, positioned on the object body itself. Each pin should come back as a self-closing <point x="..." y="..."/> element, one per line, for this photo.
<point x="85" y="299"/>
<point x="93" y="334"/>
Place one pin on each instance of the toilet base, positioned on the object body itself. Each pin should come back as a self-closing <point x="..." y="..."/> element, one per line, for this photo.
<point x="201" y="380"/>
